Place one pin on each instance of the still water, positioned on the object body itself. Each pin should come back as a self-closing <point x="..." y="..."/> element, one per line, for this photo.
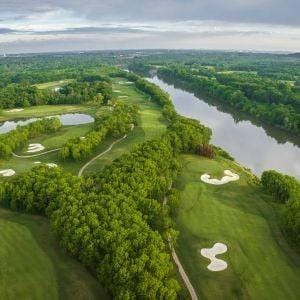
<point x="66" y="119"/>
<point x="258" y="147"/>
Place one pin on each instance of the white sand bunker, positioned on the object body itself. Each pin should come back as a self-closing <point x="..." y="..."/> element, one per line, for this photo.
<point x="216" y="264"/>
<point x="7" y="172"/>
<point x="37" y="162"/>
<point x="117" y="91"/>
<point x="122" y="96"/>
<point x="35" y="148"/>
<point x="52" y="165"/>
<point x="15" y="110"/>
<point x="225" y="179"/>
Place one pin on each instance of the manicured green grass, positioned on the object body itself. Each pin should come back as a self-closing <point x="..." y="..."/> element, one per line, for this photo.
<point x="57" y="139"/>
<point x="53" y="84"/>
<point x="150" y="125"/>
<point x="239" y="214"/>
<point x="32" y="266"/>
<point x="53" y="141"/>
<point x="45" y="110"/>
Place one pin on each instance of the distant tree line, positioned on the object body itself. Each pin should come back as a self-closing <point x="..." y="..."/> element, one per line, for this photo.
<point x="24" y="95"/>
<point x="285" y="190"/>
<point x="17" y="138"/>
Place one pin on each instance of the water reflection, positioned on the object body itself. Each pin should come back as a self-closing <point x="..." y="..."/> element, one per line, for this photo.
<point x="66" y="119"/>
<point x="249" y="144"/>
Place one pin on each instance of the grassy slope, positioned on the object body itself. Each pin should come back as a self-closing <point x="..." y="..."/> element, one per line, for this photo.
<point x="33" y="267"/>
<point x="238" y="215"/>
<point x="151" y="124"/>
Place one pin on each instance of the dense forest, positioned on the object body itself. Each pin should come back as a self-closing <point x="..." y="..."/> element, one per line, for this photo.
<point x="285" y="190"/>
<point x="24" y="95"/>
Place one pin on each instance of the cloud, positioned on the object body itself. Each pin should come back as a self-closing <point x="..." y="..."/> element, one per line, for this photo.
<point x="285" y="12"/>
<point x="6" y="30"/>
<point x="254" y="24"/>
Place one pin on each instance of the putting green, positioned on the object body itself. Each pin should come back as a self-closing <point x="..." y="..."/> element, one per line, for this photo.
<point x="33" y="267"/>
<point x="260" y="263"/>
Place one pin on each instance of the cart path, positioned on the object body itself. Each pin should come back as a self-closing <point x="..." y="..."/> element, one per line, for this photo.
<point x="182" y="273"/>
<point x="101" y="154"/>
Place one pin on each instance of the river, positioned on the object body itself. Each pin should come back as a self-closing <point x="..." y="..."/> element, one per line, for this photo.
<point x="250" y="144"/>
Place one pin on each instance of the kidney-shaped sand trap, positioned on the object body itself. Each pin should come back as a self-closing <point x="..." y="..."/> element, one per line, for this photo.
<point x="216" y="264"/>
<point x="229" y="176"/>
<point x="35" y="148"/>
<point x="7" y="172"/>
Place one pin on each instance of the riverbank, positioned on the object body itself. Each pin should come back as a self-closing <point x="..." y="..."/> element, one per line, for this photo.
<point x="249" y="144"/>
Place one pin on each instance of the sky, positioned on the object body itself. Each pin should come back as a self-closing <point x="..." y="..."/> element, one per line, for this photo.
<point x="76" y="25"/>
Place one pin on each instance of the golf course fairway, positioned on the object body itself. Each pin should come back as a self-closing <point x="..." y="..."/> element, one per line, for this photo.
<point x="260" y="263"/>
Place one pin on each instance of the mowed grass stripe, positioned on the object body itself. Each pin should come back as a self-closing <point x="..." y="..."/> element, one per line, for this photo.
<point x="239" y="215"/>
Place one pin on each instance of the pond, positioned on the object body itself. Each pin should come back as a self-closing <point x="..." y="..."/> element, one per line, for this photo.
<point x="66" y="119"/>
<point x="255" y="146"/>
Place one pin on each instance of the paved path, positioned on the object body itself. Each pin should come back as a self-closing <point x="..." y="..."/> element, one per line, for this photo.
<point x="101" y="154"/>
<point x="38" y="154"/>
<point x="182" y="273"/>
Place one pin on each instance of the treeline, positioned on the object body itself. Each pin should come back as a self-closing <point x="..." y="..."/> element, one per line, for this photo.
<point x="285" y="190"/>
<point x="18" y="137"/>
<point x="120" y="122"/>
<point x="276" y="104"/>
<point x="24" y="95"/>
<point x="115" y="221"/>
